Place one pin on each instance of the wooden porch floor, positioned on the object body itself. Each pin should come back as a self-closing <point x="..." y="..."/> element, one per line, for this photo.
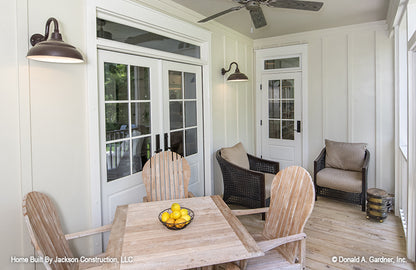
<point x="341" y="230"/>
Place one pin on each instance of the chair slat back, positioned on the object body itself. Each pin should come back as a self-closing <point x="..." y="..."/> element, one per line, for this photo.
<point x="45" y="230"/>
<point x="291" y="204"/>
<point x="166" y="176"/>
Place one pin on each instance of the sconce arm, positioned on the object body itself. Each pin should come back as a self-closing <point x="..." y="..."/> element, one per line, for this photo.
<point x="223" y="71"/>
<point x="36" y="38"/>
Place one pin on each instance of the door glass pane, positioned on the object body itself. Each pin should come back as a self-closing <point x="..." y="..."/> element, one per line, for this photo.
<point x="176" y="114"/>
<point x="291" y="62"/>
<point x="274" y="89"/>
<point x="140" y="118"/>
<point x="116" y="121"/>
<point x="175" y="84"/>
<point x="191" y="141"/>
<point x="117" y="160"/>
<point x="190" y="85"/>
<point x="141" y="152"/>
<point x="288" y="130"/>
<point x="115" y="81"/>
<point x="274" y="129"/>
<point x="288" y="89"/>
<point x="274" y="109"/>
<point x="288" y="109"/>
<point x="176" y="142"/>
<point x="139" y="83"/>
<point x="190" y="113"/>
<point x="139" y="37"/>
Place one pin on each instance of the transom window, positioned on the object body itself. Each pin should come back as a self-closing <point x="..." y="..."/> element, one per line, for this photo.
<point x="281" y="63"/>
<point x="130" y="35"/>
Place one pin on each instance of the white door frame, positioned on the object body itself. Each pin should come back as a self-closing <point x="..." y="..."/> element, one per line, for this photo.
<point x="284" y="52"/>
<point x="137" y="15"/>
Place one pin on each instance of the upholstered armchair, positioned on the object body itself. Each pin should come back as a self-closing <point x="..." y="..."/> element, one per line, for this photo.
<point x="341" y="170"/>
<point x="247" y="179"/>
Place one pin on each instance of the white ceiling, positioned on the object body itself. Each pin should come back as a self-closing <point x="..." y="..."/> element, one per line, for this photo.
<point x="280" y="21"/>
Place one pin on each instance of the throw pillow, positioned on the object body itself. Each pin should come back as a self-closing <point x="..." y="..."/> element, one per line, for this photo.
<point x="345" y="156"/>
<point x="236" y="155"/>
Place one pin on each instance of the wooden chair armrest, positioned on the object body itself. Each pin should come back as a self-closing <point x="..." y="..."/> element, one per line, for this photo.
<point x="244" y="212"/>
<point x="273" y="243"/>
<point x="190" y="195"/>
<point x="101" y="229"/>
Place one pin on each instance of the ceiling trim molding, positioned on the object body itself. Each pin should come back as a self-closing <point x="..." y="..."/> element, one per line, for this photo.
<point x="395" y="14"/>
<point x="271" y="41"/>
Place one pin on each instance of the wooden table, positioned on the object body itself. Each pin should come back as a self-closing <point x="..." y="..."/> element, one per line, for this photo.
<point x="215" y="236"/>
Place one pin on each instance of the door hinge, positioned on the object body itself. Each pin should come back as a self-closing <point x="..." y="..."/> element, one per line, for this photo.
<point x="261" y="122"/>
<point x="261" y="86"/>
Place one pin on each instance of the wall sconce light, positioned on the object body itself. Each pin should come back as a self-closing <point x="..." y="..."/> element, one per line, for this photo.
<point x="237" y="76"/>
<point x="53" y="49"/>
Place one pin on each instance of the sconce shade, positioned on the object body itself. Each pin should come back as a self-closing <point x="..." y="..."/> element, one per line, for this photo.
<point x="237" y="76"/>
<point x="53" y="49"/>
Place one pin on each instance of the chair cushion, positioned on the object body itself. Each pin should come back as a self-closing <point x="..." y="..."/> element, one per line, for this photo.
<point x="348" y="181"/>
<point x="236" y="155"/>
<point x="345" y="156"/>
<point x="268" y="179"/>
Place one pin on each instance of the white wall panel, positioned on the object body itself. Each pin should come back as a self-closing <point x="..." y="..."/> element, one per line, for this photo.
<point x="12" y="228"/>
<point x="59" y="121"/>
<point x="363" y="92"/>
<point x="315" y="99"/>
<point x="350" y="91"/>
<point x="335" y="87"/>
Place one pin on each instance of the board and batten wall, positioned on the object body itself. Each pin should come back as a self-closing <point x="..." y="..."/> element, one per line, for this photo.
<point x="232" y="103"/>
<point x="350" y="92"/>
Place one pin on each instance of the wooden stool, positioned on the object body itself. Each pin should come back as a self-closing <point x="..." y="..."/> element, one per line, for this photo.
<point x="377" y="204"/>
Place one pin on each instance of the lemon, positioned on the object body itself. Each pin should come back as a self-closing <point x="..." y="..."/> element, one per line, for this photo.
<point x="186" y="218"/>
<point x="184" y="212"/>
<point x="179" y="223"/>
<point x="175" y="207"/>
<point x="165" y="216"/>
<point x="170" y="222"/>
<point x="175" y="214"/>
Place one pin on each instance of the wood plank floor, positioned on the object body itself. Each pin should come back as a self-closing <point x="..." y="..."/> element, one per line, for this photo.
<point x="341" y="231"/>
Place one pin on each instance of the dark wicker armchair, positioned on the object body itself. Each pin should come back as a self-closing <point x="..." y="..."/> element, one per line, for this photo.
<point x="353" y="197"/>
<point x="246" y="187"/>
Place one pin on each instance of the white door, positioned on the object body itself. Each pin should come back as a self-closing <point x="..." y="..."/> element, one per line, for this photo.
<point x="183" y="132"/>
<point x="129" y="120"/>
<point x="281" y="124"/>
<point x="146" y="105"/>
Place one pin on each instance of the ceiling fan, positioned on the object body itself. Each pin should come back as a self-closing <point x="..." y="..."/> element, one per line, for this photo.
<point x="256" y="13"/>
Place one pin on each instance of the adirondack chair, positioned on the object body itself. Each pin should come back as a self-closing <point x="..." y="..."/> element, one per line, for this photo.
<point x="283" y="240"/>
<point x="166" y="177"/>
<point x="46" y="233"/>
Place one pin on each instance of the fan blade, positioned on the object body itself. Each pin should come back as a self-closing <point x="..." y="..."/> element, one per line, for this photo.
<point x="221" y="13"/>
<point x="303" y="5"/>
<point x="257" y="17"/>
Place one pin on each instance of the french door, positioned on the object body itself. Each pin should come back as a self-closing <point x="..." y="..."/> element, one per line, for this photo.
<point x="281" y="129"/>
<point x="146" y="106"/>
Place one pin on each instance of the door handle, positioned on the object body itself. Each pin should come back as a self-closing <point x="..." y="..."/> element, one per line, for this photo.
<point x="298" y="127"/>
<point x="166" y="142"/>
<point x="157" y="138"/>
